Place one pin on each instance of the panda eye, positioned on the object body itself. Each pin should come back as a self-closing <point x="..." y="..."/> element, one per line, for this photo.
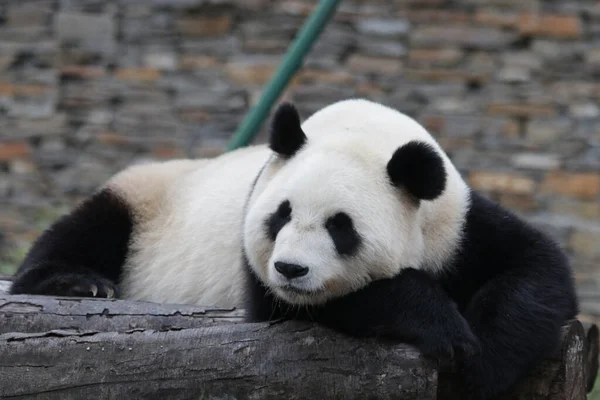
<point x="276" y="221"/>
<point x="345" y="238"/>
<point x="339" y="222"/>
<point x="285" y="210"/>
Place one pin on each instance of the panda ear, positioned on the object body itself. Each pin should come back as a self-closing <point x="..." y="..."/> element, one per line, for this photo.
<point x="417" y="167"/>
<point x="286" y="136"/>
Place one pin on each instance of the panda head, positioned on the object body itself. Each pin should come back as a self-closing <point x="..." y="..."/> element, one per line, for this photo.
<point x="345" y="200"/>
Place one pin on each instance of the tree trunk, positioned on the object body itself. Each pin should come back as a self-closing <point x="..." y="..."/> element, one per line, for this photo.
<point x="290" y="360"/>
<point x="22" y="313"/>
<point x="78" y="348"/>
<point x="4" y="285"/>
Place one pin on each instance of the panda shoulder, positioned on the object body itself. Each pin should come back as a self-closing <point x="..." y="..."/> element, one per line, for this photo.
<point x="144" y="186"/>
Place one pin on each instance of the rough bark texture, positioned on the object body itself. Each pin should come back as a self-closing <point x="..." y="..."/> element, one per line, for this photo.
<point x="237" y="361"/>
<point x="4" y="285"/>
<point x="78" y="348"/>
<point x="43" y="313"/>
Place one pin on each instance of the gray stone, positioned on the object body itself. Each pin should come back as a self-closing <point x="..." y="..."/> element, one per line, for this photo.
<point x="536" y="161"/>
<point x="33" y="107"/>
<point x="211" y="100"/>
<point x="221" y="46"/>
<point x="514" y="75"/>
<point x="173" y="4"/>
<point x="522" y="59"/>
<point x="100" y="116"/>
<point x="161" y="60"/>
<point x="383" y="27"/>
<point x="481" y="62"/>
<point x="26" y="128"/>
<point x="473" y="37"/>
<point x="85" y="177"/>
<point x="592" y="56"/>
<point x="310" y="98"/>
<point x="273" y="27"/>
<point x="552" y="51"/>
<point x="28" y="14"/>
<point x="529" y="92"/>
<point x="148" y="27"/>
<point x="333" y="42"/>
<point x="455" y="106"/>
<point x="95" y="33"/>
<point x="379" y="47"/>
<point x="584" y="111"/>
<point x="545" y="131"/>
<point x="589" y="160"/>
<point x="92" y="85"/>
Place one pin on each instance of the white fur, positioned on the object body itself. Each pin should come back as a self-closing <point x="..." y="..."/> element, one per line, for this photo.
<point x="187" y="241"/>
<point x="186" y="244"/>
<point x="343" y="168"/>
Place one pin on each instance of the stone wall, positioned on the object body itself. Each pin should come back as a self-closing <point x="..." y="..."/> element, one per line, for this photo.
<point x="509" y="87"/>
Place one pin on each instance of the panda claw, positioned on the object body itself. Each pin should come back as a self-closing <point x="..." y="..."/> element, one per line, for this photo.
<point x="110" y="293"/>
<point x="94" y="290"/>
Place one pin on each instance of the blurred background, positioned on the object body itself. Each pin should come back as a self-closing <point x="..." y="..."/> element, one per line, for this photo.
<point x="511" y="89"/>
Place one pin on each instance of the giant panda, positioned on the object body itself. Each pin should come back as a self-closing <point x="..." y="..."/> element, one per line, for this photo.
<point x="354" y="218"/>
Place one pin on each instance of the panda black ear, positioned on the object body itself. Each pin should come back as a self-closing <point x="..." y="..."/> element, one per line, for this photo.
<point x="286" y="136"/>
<point x="417" y="167"/>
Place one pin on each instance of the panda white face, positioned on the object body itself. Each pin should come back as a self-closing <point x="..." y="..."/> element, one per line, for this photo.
<point x="322" y="226"/>
<point x="367" y="194"/>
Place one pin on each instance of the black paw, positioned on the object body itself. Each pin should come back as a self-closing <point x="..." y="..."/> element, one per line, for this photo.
<point x="453" y="341"/>
<point x="90" y="286"/>
<point x="70" y="284"/>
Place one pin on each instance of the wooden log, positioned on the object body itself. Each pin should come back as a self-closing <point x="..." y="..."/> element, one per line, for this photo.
<point x="591" y="354"/>
<point x="50" y="336"/>
<point x="4" y="285"/>
<point x="559" y="377"/>
<point x="289" y="360"/>
<point x="23" y="313"/>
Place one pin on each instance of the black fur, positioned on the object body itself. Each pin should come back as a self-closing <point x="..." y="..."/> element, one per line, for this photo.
<point x="286" y="136"/>
<point x="291" y="271"/>
<point x="342" y="232"/>
<point x="83" y="249"/>
<point x="500" y="304"/>
<point x="418" y="168"/>
<point x="278" y="219"/>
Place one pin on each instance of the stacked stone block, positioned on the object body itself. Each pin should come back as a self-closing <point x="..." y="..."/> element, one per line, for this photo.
<point x="511" y="88"/>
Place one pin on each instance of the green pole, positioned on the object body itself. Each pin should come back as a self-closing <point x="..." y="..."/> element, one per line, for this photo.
<point x="286" y="70"/>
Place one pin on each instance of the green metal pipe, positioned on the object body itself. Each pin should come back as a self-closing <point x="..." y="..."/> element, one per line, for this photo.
<point x="287" y="68"/>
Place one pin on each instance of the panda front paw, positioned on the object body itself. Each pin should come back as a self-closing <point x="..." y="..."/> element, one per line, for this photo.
<point x="69" y="284"/>
<point x="449" y="342"/>
<point x="89" y="286"/>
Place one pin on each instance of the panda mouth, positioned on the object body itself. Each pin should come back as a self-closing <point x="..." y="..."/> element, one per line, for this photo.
<point x="301" y="291"/>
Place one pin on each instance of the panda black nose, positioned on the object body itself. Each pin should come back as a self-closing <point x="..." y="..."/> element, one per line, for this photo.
<point x="290" y="271"/>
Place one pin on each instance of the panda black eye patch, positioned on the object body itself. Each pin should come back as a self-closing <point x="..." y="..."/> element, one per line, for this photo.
<point x="278" y="219"/>
<point x="342" y="232"/>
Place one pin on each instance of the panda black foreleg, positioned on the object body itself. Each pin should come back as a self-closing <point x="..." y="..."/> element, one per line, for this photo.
<point x="518" y="318"/>
<point x="82" y="253"/>
<point x="411" y="307"/>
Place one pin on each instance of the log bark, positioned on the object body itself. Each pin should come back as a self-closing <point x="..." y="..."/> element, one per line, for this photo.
<point x="23" y="313"/>
<point x="78" y="348"/>
<point x="289" y="360"/>
<point x="4" y="285"/>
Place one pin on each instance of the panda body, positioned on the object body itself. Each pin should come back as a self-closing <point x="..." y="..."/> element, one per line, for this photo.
<point x="355" y="219"/>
